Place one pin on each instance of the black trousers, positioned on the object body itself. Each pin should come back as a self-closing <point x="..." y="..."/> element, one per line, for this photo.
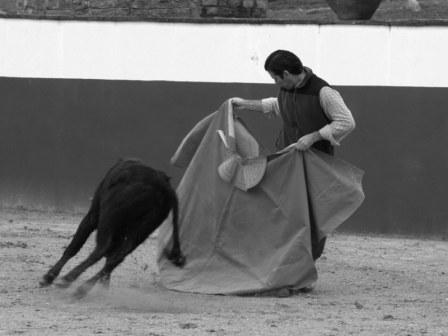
<point x="317" y="246"/>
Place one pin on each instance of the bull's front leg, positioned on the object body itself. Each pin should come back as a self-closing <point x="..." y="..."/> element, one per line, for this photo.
<point x="85" y="228"/>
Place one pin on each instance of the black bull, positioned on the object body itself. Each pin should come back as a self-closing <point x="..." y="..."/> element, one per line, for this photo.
<point x="130" y="203"/>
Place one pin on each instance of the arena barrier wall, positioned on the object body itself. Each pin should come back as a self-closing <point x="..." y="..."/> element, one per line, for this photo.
<point x="77" y="95"/>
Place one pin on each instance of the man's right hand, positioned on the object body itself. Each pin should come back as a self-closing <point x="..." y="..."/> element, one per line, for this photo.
<point x="246" y="104"/>
<point x="238" y="103"/>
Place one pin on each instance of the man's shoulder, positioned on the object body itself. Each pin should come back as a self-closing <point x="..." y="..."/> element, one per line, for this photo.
<point x="315" y="85"/>
<point x="319" y="82"/>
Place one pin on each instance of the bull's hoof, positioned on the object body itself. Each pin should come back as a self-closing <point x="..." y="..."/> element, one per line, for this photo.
<point x="62" y="283"/>
<point x="179" y="260"/>
<point x="80" y="293"/>
<point x="82" y="290"/>
<point x="176" y="257"/>
<point x="46" y="280"/>
<point x="105" y="282"/>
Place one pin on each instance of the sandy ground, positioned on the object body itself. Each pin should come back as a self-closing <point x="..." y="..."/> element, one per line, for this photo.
<point x="368" y="285"/>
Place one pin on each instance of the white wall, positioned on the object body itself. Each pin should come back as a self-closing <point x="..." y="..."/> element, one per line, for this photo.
<point x="343" y="55"/>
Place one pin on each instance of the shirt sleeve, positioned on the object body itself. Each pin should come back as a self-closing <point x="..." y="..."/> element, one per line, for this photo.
<point x="342" y="122"/>
<point x="270" y="107"/>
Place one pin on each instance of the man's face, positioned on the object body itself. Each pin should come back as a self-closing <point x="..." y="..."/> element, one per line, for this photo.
<point x="287" y="82"/>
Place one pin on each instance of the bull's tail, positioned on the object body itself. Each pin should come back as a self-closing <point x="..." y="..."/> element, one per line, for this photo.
<point x="176" y="256"/>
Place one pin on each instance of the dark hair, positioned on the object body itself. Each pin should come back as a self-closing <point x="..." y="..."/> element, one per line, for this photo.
<point x="281" y="60"/>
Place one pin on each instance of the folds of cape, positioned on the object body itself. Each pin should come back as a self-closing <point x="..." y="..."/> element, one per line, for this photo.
<point x="239" y="242"/>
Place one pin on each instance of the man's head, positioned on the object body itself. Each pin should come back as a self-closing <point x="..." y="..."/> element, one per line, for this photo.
<point x="285" y="68"/>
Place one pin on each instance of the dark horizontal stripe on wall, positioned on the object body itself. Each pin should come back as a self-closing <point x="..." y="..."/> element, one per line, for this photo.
<point x="58" y="136"/>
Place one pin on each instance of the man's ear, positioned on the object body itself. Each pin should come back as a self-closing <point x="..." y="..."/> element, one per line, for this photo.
<point x="286" y="73"/>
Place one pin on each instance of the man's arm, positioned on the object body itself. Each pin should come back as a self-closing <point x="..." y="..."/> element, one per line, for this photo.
<point x="342" y="122"/>
<point x="267" y="106"/>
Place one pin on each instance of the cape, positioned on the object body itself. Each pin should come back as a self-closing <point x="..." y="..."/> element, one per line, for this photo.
<point x="244" y="218"/>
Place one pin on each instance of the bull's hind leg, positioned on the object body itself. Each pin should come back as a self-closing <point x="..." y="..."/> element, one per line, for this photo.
<point x="85" y="228"/>
<point x="114" y="259"/>
<point x="100" y="251"/>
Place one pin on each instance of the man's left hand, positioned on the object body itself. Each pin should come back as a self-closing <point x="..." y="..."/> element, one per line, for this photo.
<point x="305" y="142"/>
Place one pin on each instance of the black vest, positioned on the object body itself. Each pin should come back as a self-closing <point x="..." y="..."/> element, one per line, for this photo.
<point x="302" y="113"/>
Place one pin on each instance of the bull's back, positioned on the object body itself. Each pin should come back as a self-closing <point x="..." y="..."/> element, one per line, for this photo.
<point x="131" y="191"/>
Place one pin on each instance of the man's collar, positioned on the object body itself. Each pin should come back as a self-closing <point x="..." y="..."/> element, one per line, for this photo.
<point x="308" y="74"/>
